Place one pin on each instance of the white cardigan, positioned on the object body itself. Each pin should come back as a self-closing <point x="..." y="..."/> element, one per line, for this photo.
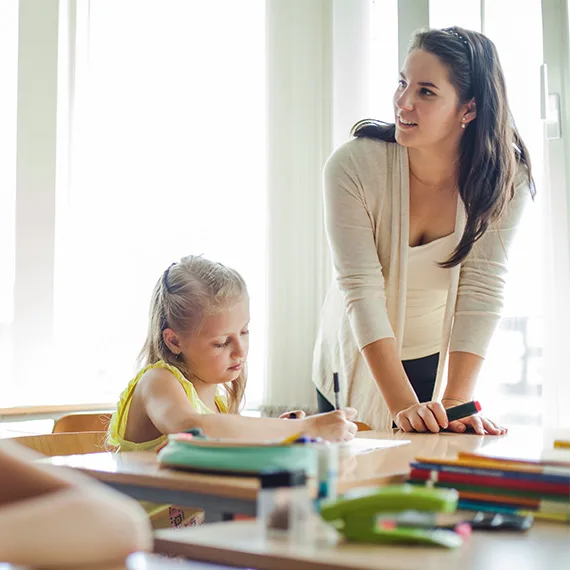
<point x="367" y="198"/>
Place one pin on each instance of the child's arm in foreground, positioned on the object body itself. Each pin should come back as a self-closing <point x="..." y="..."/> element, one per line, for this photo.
<point x="170" y="411"/>
<point x="50" y="516"/>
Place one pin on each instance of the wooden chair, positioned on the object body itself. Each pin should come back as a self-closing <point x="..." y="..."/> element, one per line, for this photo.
<point x="52" y="444"/>
<point x="82" y="422"/>
<point x="362" y="426"/>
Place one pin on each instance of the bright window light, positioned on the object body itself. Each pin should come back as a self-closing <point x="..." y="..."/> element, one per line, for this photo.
<point x="168" y="160"/>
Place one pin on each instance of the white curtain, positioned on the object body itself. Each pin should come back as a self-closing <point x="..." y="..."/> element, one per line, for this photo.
<point x="318" y="54"/>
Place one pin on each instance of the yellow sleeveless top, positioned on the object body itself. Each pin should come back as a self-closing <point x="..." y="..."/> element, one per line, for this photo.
<point x="118" y="424"/>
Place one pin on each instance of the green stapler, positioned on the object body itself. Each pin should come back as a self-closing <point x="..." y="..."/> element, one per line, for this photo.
<point x="382" y="515"/>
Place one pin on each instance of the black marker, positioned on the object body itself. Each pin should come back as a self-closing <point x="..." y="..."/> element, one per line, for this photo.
<point x="336" y="388"/>
<point x="463" y="410"/>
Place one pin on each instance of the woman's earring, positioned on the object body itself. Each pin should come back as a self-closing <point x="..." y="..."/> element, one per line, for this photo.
<point x="463" y="123"/>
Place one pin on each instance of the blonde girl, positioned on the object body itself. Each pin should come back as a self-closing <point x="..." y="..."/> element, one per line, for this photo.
<point x="194" y="366"/>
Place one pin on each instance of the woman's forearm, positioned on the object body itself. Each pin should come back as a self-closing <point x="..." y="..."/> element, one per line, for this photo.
<point x="464" y="368"/>
<point x="389" y="374"/>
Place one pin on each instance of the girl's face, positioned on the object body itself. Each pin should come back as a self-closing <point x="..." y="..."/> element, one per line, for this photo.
<point x="427" y="110"/>
<point x="218" y="351"/>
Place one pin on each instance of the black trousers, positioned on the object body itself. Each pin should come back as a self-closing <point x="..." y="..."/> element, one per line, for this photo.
<point x="420" y="371"/>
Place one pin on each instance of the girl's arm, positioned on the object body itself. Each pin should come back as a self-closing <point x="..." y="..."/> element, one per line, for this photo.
<point x="55" y="518"/>
<point x="168" y="408"/>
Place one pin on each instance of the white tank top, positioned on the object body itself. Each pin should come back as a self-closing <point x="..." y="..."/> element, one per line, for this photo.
<point x="426" y="297"/>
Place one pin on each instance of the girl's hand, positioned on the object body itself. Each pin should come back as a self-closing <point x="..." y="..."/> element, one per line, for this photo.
<point x="333" y="426"/>
<point x="422" y="417"/>
<point x="293" y="415"/>
<point x="478" y="424"/>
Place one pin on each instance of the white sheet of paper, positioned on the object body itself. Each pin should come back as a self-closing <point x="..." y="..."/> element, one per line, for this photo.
<point x="364" y="445"/>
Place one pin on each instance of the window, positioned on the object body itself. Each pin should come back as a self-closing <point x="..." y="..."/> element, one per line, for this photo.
<point x="447" y="13"/>
<point x="513" y="372"/>
<point x="168" y="159"/>
<point x="384" y="71"/>
<point x="8" y="118"/>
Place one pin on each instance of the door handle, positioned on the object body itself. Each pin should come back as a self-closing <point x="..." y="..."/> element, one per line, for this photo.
<point x="549" y="106"/>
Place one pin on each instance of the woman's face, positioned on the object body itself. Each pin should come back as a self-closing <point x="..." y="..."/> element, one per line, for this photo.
<point x="428" y="114"/>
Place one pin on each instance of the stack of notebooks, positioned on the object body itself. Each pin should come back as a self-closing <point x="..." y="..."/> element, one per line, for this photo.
<point x="503" y="482"/>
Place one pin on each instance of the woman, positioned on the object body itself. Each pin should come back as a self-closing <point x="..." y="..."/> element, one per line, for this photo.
<point x="419" y="218"/>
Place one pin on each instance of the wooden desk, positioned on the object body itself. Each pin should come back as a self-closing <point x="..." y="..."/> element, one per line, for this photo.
<point x="545" y="546"/>
<point x="138" y="474"/>
<point x="141" y="561"/>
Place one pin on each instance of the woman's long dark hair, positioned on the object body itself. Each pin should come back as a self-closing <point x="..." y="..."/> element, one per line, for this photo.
<point x="491" y="149"/>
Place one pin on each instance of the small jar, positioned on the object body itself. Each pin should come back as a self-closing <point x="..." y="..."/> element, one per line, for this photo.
<point x="327" y="472"/>
<point x="283" y="505"/>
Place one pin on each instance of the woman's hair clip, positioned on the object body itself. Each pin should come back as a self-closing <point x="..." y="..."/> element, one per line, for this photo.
<point x="456" y="34"/>
<point x="165" y="278"/>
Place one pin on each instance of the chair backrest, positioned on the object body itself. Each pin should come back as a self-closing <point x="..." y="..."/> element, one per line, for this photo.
<point x="52" y="444"/>
<point x="82" y="422"/>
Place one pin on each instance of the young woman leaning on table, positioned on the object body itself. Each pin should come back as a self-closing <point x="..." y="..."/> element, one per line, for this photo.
<point x="51" y="517"/>
<point x="419" y="216"/>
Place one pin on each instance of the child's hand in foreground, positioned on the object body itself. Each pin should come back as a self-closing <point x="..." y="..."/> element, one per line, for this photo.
<point x="334" y="426"/>
<point x="293" y="415"/>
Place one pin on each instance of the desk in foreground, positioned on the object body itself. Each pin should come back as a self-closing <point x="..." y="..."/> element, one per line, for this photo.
<point x="138" y="561"/>
<point x="239" y="543"/>
<point x="139" y="475"/>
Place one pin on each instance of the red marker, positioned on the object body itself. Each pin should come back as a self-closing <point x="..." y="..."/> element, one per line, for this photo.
<point x="463" y="410"/>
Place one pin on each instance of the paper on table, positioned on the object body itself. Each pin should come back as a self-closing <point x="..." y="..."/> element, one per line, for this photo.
<point x="364" y="445"/>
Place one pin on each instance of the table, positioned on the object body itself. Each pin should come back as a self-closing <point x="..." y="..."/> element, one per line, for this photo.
<point x="139" y="475"/>
<point x="142" y="561"/>
<point x="544" y="546"/>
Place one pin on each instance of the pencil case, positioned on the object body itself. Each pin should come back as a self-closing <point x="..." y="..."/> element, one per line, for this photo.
<point x="230" y="456"/>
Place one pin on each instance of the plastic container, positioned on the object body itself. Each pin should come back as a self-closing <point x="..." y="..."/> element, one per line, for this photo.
<point x="327" y="472"/>
<point x="284" y="508"/>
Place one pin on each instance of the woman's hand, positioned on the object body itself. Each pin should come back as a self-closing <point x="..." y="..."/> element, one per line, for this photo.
<point x="333" y="426"/>
<point x="432" y="417"/>
<point x="422" y="417"/>
<point x="478" y="424"/>
<point x="293" y="415"/>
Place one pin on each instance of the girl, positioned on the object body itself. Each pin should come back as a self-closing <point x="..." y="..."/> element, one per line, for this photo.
<point x="419" y="217"/>
<point x="50" y="517"/>
<point x="194" y="370"/>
